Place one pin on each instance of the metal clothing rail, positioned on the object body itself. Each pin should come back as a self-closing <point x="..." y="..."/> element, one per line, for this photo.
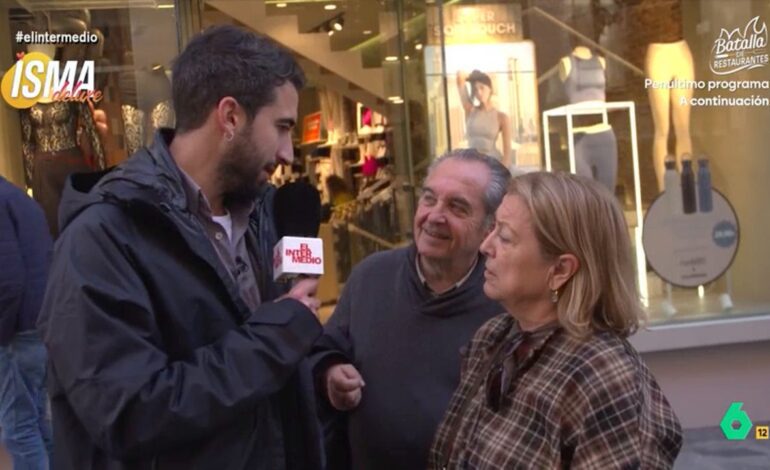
<point x="381" y="241"/>
<point x="601" y="108"/>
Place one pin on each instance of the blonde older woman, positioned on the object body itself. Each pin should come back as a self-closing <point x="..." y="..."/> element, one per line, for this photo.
<point x="554" y="383"/>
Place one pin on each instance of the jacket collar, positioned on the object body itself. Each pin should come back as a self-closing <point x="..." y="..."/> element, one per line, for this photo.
<point x="166" y="168"/>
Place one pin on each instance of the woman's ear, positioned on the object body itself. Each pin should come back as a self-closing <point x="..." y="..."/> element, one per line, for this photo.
<point x="564" y="268"/>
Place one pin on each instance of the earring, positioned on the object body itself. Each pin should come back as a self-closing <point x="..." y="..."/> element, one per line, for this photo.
<point x="229" y="136"/>
<point x="554" y="296"/>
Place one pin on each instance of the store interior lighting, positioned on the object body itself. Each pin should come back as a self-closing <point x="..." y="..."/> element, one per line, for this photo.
<point x="332" y="25"/>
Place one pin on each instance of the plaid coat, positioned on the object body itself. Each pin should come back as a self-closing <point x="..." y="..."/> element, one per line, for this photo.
<point x="566" y="403"/>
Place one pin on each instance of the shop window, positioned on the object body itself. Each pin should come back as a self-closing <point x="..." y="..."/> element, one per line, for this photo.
<point x="662" y="101"/>
<point x="114" y="65"/>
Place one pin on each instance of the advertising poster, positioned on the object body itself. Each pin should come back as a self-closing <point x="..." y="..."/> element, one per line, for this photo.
<point x="690" y="240"/>
<point x="491" y="99"/>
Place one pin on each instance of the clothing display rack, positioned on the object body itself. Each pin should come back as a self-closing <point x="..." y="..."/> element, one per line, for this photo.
<point x="603" y="108"/>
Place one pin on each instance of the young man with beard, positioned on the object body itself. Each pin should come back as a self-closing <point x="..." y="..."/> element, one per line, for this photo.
<point x="389" y="359"/>
<point x="167" y="347"/>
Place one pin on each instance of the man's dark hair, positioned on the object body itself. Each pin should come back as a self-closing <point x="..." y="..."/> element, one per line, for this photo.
<point x="229" y="61"/>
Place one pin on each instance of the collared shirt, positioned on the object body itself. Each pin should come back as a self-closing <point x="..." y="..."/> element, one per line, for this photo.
<point x="457" y="284"/>
<point x="588" y="403"/>
<point x="229" y="242"/>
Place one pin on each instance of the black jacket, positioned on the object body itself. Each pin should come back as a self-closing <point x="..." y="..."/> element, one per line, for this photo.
<point x="155" y="360"/>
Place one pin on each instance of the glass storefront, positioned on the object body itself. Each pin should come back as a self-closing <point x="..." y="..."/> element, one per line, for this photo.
<point x="662" y="101"/>
<point x="665" y="102"/>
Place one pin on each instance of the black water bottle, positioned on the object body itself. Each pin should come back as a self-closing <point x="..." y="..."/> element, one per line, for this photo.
<point x="705" y="202"/>
<point x="689" y="201"/>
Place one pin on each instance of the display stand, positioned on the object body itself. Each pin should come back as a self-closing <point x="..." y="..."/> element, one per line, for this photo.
<point x="725" y="298"/>
<point x="667" y="305"/>
<point x="602" y="108"/>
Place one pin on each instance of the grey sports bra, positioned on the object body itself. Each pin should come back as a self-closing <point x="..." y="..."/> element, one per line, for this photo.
<point x="586" y="80"/>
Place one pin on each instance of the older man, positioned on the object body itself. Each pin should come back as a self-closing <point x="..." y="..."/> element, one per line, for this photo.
<point x="390" y="354"/>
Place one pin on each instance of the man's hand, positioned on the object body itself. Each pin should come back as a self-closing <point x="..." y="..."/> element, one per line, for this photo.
<point x="304" y="290"/>
<point x="343" y="386"/>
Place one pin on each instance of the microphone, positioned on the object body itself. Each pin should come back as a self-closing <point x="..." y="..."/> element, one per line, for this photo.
<point x="297" y="212"/>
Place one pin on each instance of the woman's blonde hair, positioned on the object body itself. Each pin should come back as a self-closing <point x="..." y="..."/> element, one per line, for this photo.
<point x="572" y="214"/>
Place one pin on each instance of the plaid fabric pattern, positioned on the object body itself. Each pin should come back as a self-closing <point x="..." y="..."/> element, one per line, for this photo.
<point x="571" y="404"/>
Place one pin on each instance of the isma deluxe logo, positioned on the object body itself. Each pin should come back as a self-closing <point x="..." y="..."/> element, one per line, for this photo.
<point x="35" y="78"/>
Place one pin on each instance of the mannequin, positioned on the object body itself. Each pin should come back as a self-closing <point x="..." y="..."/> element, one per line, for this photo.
<point x="149" y="109"/>
<point x="133" y="128"/>
<point x="596" y="149"/>
<point x="154" y="96"/>
<point x="154" y="100"/>
<point x="105" y="78"/>
<point x="668" y="57"/>
<point x="483" y="122"/>
<point x="51" y="144"/>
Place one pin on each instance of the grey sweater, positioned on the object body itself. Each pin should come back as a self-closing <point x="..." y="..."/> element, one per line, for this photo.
<point x="406" y="343"/>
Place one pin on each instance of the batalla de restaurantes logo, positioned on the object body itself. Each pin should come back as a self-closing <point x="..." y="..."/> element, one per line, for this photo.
<point x="738" y="50"/>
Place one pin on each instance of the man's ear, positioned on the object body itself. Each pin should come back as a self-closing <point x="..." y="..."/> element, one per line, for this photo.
<point x="564" y="268"/>
<point x="228" y="115"/>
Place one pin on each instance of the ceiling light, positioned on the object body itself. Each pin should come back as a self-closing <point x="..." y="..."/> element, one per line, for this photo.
<point x="367" y="32"/>
<point x="330" y="6"/>
<point x="406" y="57"/>
<point x="391" y="58"/>
<point x="394" y="98"/>
<point x="418" y="46"/>
<point x="331" y="32"/>
<point x="280" y="5"/>
<point x="338" y="23"/>
<point x="165" y="6"/>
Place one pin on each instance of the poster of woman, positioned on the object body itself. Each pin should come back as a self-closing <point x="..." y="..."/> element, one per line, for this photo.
<point x="491" y="102"/>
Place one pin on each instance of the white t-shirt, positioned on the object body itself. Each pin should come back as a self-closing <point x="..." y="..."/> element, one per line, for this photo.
<point x="226" y="222"/>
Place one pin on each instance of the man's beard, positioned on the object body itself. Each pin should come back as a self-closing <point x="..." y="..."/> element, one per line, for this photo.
<point x="239" y="171"/>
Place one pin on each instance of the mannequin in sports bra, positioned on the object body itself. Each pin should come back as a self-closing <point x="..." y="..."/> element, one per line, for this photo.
<point x="483" y="122"/>
<point x="596" y="149"/>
